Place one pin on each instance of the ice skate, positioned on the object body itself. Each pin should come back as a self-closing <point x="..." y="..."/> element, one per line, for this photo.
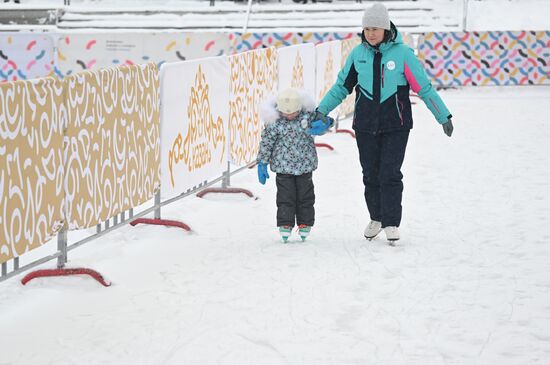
<point x="392" y="234"/>
<point x="285" y="232"/>
<point x="304" y="230"/>
<point x="372" y="230"/>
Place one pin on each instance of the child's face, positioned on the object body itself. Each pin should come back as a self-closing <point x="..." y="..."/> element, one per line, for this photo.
<point x="290" y="116"/>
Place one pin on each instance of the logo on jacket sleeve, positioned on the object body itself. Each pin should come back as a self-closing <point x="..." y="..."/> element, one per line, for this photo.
<point x="390" y="65"/>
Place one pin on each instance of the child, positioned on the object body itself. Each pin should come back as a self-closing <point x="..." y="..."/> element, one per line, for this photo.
<point x="288" y="147"/>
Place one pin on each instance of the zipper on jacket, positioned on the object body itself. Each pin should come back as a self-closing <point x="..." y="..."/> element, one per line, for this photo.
<point x="382" y="76"/>
<point x="376" y="79"/>
<point x="376" y="89"/>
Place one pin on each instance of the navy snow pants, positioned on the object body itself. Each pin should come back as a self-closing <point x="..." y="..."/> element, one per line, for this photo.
<point x="381" y="158"/>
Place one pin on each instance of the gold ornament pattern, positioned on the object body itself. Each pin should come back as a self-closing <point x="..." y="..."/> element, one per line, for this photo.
<point x="112" y="143"/>
<point x="32" y="119"/>
<point x="297" y="73"/>
<point x="204" y="134"/>
<point x="328" y="75"/>
<point x="348" y="105"/>
<point x="253" y="78"/>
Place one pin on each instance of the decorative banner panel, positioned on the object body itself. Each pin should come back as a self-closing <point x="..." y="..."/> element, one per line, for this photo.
<point x="328" y="57"/>
<point x="81" y="51"/>
<point x="253" y="79"/>
<point x="25" y="56"/>
<point x="348" y="105"/>
<point x="408" y="40"/>
<point x="486" y="58"/>
<point x="195" y="116"/>
<point x="32" y="119"/>
<point x="112" y="143"/>
<point x="249" y="41"/>
<point x="297" y="67"/>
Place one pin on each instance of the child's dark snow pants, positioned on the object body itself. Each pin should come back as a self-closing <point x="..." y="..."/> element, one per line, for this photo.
<point x="381" y="158"/>
<point x="295" y="199"/>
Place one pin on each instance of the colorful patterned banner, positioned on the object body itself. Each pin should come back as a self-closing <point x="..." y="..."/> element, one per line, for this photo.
<point x="408" y="40"/>
<point x="195" y="117"/>
<point x="348" y="105"/>
<point x="297" y="67"/>
<point x="253" y="79"/>
<point x="486" y="58"/>
<point x="112" y="142"/>
<point x="328" y="58"/>
<point x="32" y="119"/>
<point x="81" y="51"/>
<point x="25" y="56"/>
<point x="249" y="41"/>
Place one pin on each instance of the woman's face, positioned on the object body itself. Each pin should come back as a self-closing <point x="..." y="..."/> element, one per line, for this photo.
<point x="374" y="35"/>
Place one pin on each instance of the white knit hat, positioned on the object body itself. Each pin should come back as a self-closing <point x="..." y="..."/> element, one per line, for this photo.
<point x="376" y="16"/>
<point x="289" y="101"/>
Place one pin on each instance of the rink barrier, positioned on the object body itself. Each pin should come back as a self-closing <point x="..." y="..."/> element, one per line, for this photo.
<point x="32" y="55"/>
<point x="194" y="139"/>
<point x="242" y="91"/>
<point x="122" y="105"/>
<point x="246" y="90"/>
<point x="455" y="59"/>
<point x="32" y="124"/>
<point x="26" y="56"/>
<point x="113" y="157"/>
<point x="117" y="165"/>
<point x="292" y="67"/>
<point x="452" y="59"/>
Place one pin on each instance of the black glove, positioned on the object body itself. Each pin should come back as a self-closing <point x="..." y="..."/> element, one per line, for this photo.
<point x="448" y="127"/>
<point x="325" y="118"/>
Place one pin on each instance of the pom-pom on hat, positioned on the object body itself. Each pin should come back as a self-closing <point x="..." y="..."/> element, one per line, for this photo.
<point x="376" y="16"/>
<point x="289" y="101"/>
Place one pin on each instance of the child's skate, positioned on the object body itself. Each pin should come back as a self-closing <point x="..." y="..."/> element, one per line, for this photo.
<point x="304" y="230"/>
<point x="285" y="232"/>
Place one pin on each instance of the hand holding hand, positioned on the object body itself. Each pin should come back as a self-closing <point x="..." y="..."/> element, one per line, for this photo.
<point x="262" y="173"/>
<point x="318" y="128"/>
<point x="321" y="123"/>
<point x="448" y="127"/>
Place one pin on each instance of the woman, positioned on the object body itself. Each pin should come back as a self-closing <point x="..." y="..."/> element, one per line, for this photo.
<point x="382" y="69"/>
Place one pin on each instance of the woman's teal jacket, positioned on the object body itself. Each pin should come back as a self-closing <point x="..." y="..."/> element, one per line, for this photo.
<point x="381" y="78"/>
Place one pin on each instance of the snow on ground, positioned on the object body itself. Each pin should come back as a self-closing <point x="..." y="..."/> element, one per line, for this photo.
<point x="467" y="284"/>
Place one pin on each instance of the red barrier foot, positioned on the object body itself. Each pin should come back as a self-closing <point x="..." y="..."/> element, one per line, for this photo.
<point x="253" y="165"/>
<point x="161" y="222"/>
<point x="346" y="131"/>
<point x="202" y="193"/>
<point x="324" y="145"/>
<point x="65" y="272"/>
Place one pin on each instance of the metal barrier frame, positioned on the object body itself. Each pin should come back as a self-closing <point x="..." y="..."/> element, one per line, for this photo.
<point x="119" y="220"/>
